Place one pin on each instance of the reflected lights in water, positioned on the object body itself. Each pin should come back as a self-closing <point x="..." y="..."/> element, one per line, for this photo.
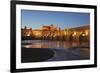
<point x="53" y="44"/>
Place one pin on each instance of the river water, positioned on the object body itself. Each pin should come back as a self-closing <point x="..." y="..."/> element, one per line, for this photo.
<point x="63" y="50"/>
<point x="52" y="44"/>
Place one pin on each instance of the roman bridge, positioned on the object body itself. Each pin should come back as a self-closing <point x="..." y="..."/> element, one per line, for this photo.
<point x="71" y="34"/>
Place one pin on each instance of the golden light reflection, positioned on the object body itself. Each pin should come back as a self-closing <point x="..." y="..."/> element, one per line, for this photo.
<point x="37" y="33"/>
<point x="65" y="33"/>
<point x="28" y="34"/>
<point x="27" y="46"/>
<point x="74" y="34"/>
<point x="83" y="34"/>
<point x="86" y="32"/>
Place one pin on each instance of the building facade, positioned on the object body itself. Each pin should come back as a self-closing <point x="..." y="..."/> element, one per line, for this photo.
<point x="55" y="33"/>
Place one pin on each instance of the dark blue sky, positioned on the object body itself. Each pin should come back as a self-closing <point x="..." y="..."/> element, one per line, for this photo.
<point x="36" y="19"/>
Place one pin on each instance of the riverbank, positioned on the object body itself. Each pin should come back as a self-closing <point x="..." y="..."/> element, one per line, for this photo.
<point x="35" y="54"/>
<point x="47" y="54"/>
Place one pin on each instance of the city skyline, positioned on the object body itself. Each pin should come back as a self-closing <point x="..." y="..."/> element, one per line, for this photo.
<point x="36" y="19"/>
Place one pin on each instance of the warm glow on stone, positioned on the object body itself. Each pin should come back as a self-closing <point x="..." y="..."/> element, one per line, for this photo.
<point x="83" y="34"/>
<point x="74" y="34"/>
<point x="87" y="32"/>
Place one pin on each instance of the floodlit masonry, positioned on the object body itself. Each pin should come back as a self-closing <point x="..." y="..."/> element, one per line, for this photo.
<point x="55" y="33"/>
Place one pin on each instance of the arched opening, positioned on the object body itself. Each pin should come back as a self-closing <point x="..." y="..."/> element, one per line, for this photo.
<point x="73" y="36"/>
<point x="83" y="37"/>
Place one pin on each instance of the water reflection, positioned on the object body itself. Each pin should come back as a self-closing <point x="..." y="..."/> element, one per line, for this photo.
<point x="52" y="44"/>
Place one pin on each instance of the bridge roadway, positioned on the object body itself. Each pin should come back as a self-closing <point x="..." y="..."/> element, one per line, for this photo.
<point x="70" y="54"/>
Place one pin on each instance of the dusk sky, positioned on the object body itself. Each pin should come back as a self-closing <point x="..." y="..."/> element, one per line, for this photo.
<point x="36" y="19"/>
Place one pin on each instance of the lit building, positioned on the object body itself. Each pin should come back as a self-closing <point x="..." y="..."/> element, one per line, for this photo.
<point x="55" y="33"/>
<point x="26" y="31"/>
<point x="79" y="33"/>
